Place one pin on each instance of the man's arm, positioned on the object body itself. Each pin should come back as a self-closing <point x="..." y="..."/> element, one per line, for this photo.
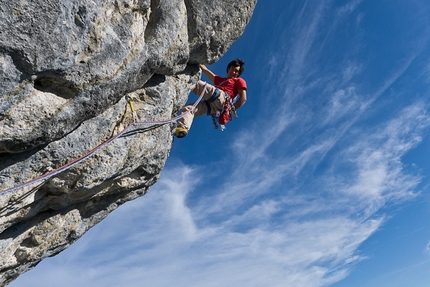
<point x="242" y="99"/>
<point x="208" y="72"/>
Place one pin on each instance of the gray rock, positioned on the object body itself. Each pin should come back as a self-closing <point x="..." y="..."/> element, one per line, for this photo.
<point x="68" y="70"/>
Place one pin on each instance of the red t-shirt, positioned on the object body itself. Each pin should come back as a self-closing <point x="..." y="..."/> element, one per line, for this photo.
<point x="230" y="86"/>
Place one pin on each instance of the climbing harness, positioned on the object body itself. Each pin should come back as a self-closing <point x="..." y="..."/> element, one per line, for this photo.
<point x="212" y="99"/>
<point x="102" y="146"/>
<point x="214" y="96"/>
<point x="222" y="117"/>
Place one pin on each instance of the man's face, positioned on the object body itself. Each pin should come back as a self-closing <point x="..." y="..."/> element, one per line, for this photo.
<point x="233" y="72"/>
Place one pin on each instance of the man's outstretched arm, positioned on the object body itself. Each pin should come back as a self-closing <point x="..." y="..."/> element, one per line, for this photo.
<point x="207" y="72"/>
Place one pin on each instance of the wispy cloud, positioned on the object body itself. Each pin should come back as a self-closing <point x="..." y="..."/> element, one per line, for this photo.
<point x="306" y="236"/>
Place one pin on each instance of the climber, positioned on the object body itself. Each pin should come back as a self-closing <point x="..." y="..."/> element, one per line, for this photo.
<point x="218" y="98"/>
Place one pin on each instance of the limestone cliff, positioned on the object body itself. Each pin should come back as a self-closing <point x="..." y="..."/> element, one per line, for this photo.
<point x="68" y="68"/>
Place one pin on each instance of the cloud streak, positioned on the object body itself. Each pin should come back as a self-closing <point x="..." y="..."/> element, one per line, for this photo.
<point x="307" y="236"/>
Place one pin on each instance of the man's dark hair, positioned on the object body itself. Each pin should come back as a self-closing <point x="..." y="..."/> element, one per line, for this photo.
<point x="237" y="63"/>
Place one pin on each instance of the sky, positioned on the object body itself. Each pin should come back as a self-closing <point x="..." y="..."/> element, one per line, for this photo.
<point x="323" y="180"/>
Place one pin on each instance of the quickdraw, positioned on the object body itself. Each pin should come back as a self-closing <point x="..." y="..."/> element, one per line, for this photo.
<point x="225" y="115"/>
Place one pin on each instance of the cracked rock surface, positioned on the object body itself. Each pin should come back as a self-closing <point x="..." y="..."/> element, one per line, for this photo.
<point x="68" y="70"/>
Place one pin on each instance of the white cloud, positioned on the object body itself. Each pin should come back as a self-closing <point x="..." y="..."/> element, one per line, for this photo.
<point x="300" y="237"/>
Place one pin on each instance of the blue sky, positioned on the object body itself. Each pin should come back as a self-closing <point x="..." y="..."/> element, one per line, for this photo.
<point x="322" y="181"/>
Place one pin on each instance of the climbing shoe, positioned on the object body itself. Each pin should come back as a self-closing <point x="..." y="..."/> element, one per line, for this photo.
<point x="181" y="132"/>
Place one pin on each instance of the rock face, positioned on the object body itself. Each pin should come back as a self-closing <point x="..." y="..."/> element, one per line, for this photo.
<point x="68" y="71"/>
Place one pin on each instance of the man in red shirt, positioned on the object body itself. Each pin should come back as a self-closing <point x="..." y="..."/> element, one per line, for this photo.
<point x="216" y="96"/>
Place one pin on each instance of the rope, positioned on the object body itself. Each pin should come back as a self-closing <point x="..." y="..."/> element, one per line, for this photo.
<point x="98" y="148"/>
